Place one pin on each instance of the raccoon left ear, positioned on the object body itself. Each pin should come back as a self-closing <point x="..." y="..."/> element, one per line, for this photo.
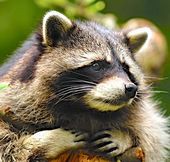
<point x="137" y="37"/>
<point x="54" y="26"/>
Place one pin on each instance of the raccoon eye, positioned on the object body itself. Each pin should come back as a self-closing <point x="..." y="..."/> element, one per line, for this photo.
<point x="96" y="66"/>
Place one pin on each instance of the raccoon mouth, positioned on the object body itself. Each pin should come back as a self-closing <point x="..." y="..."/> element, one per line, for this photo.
<point x="120" y="101"/>
<point x="109" y="105"/>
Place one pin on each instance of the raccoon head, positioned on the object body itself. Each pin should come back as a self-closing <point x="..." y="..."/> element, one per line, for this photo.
<point x="86" y="63"/>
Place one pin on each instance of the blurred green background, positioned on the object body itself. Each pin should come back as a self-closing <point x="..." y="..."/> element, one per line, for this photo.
<point x="18" y="18"/>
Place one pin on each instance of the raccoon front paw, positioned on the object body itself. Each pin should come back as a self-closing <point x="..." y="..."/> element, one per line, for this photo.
<point x="109" y="143"/>
<point x="104" y="144"/>
<point x="54" y="142"/>
<point x="78" y="138"/>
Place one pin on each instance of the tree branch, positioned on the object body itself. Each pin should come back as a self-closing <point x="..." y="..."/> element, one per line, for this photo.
<point x="132" y="155"/>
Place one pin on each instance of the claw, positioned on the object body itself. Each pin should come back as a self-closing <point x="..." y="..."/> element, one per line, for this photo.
<point x="81" y="137"/>
<point x="100" y="145"/>
<point x="99" y="136"/>
<point x="106" y="143"/>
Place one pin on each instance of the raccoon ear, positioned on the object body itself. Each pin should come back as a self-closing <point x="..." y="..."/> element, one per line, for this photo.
<point x="54" y="26"/>
<point x="137" y="37"/>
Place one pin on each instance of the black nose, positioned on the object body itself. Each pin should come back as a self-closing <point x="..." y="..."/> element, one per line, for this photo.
<point x="130" y="90"/>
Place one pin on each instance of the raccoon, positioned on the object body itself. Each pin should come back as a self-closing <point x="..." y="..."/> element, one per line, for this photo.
<point x="77" y="85"/>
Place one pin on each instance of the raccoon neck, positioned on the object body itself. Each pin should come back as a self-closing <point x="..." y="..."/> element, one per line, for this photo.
<point x="77" y="116"/>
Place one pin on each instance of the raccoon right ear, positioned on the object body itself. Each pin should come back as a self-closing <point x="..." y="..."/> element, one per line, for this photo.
<point x="137" y="37"/>
<point x="54" y="26"/>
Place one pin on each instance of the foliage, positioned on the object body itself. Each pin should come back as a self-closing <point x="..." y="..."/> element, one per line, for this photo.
<point x="80" y="9"/>
<point x="74" y="8"/>
<point x="3" y="86"/>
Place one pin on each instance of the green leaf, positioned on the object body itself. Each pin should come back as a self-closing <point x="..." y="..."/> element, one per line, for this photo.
<point x="3" y="86"/>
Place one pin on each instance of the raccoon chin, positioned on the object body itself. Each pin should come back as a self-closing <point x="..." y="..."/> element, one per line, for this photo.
<point x="104" y="105"/>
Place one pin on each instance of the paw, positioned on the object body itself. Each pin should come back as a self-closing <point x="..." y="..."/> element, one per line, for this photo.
<point x="54" y="142"/>
<point x="109" y="143"/>
<point x="78" y="139"/>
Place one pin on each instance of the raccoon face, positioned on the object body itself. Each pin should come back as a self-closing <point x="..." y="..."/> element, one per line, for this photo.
<point x="95" y="66"/>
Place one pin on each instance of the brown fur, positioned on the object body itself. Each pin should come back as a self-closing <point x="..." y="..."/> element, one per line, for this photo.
<point x="33" y="105"/>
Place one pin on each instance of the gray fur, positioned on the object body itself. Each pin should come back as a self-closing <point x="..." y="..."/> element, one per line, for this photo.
<point x="33" y="105"/>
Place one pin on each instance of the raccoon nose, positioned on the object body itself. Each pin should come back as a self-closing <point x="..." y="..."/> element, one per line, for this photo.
<point x="130" y="90"/>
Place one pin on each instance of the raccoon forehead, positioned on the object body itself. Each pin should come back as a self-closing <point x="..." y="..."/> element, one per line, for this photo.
<point x="108" y="44"/>
<point x="87" y="45"/>
<point x="76" y="58"/>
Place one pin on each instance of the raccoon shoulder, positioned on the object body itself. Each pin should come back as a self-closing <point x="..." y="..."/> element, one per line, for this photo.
<point x="23" y="60"/>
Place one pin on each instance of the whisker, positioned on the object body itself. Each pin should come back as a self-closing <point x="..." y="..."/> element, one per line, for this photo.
<point x="68" y="86"/>
<point x="80" y="81"/>
<point x="153" y="91"/>
<point x="155" y="78"/>
<point x="79" y="74"/>
<point x="66" y="97"/>
<point x="71" y="95"/>
<point x="146" y="91"/>
<point x="66" y="89"/>
<point x="73" y="91"/>
<point x="142" y="93"/>
<point x="79" y="98"/>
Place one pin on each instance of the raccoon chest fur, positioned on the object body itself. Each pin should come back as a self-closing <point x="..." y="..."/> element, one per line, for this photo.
<point x="76" y="116"/>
